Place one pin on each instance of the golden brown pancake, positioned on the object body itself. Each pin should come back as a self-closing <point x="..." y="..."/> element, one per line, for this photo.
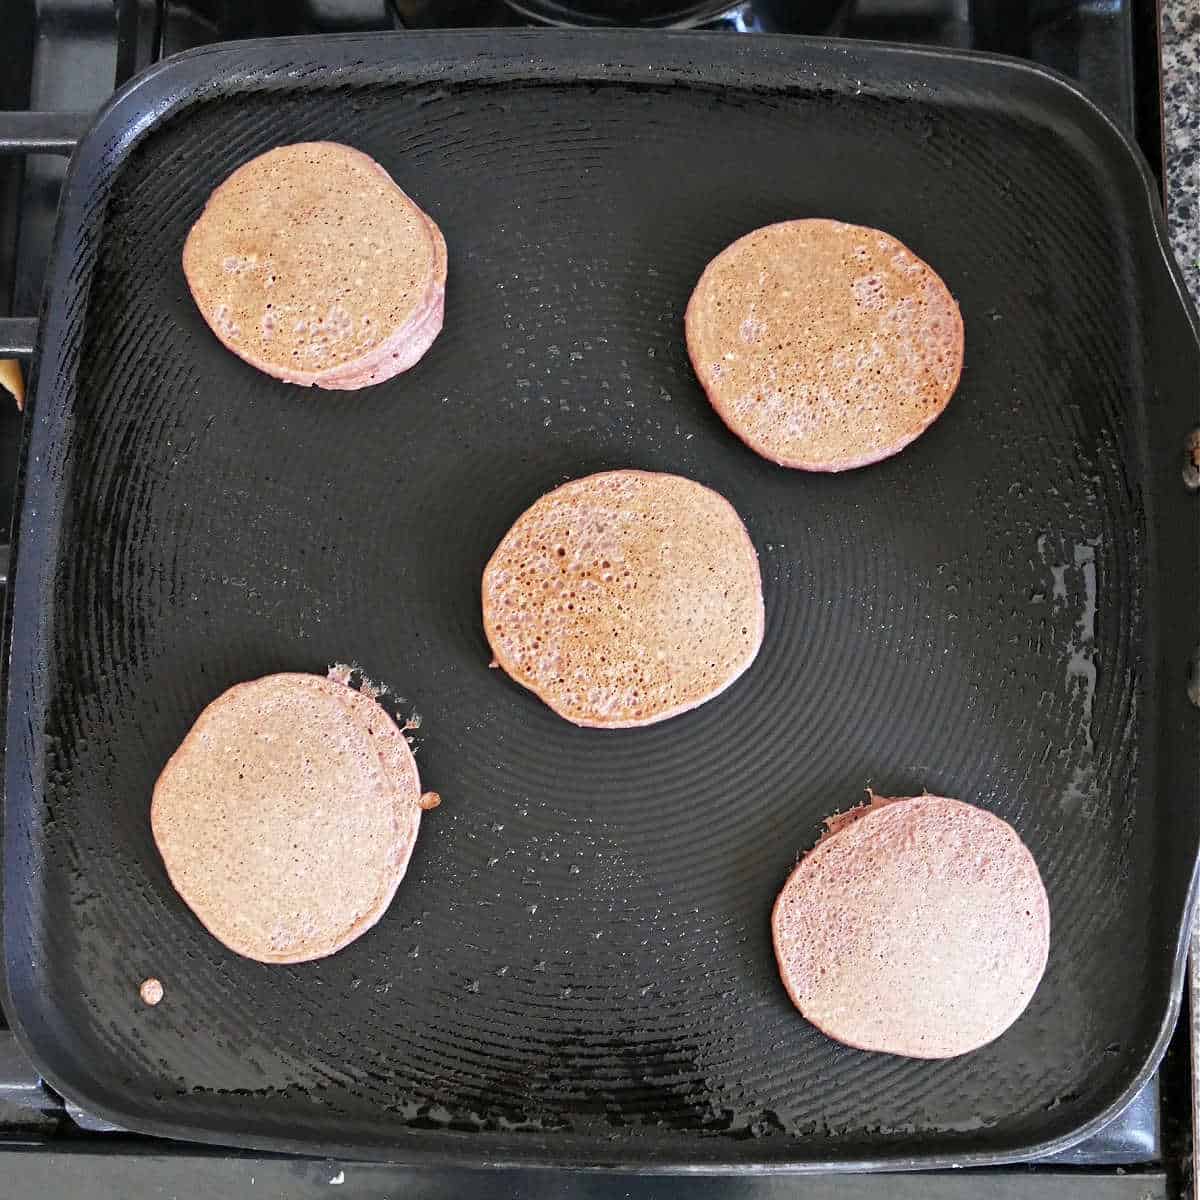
<point x="287" y="817"/>
<point x="916" y="926"/>
<point x="822" y="345"/>
<point x="625" y="598"/>
<point x="312" y="265"/>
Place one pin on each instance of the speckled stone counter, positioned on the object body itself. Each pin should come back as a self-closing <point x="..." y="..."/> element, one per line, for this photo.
<point x="1181" y="127"/>
<point x="1181" y="131"/>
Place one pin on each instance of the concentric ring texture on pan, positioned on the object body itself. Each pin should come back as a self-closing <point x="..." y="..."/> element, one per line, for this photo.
<point x="579" y="962"/>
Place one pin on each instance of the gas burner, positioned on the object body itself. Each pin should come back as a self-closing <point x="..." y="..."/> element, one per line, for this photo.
<point x="750" y="16"/>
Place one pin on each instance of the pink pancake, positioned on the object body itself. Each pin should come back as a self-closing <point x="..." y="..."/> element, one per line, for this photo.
<point x="917" y="927"/>
<point x="822" y="345"/>
<point x="287" y="817"/>
<point x="625" y="598"/>
<point x="312" y="265"/>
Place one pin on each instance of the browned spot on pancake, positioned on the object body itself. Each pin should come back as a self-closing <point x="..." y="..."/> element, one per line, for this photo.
<point x="822" y="345"/>
<point x="287" y="817"/>
<point x="312" y="265"/>
<point x="625" y="598"/>
<point x="916" y="926"/>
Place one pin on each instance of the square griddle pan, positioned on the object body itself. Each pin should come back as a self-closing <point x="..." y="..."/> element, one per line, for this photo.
<point x="577" y="970"/>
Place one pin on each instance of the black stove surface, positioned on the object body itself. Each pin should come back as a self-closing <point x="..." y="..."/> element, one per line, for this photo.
<point x="68" y="56"/>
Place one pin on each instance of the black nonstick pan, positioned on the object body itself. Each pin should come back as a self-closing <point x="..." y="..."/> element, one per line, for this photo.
<point x="577" y="970"/>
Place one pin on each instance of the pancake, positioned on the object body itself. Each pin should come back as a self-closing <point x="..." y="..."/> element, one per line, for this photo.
<point x="312" y="265"/>
<point x="625" y="598"/>
<point x="824" y="346"/>
<point x="287" y="817"/>
<point x="916" y="926"/>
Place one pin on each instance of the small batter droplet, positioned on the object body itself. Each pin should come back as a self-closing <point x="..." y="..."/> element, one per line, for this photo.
<point x="429" y="800"/>
<point x="151" y="991"/>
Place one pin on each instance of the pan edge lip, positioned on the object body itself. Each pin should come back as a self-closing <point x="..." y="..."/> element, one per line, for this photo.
<point x="469" y="1154"/>
<point x="105" y="158"/>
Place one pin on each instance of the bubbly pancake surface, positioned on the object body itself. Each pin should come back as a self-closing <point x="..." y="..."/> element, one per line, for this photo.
<point x="624" y="598"/>
<point x="311" y="264"/>
<point x="822" y="345"/>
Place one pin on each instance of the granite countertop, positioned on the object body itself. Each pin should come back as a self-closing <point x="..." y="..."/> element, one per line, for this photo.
<point x="1181" y="132"/>
<point x="1181" y="144"/>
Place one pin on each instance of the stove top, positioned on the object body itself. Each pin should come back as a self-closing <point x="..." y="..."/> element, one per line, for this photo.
<point x="67" y="56"/>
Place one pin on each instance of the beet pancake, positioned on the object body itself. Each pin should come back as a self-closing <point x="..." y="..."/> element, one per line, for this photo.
<point x="312" y="265"/>
<point x="915" y="926"/>
<point x="824" y="346"/>
<point x="625" y="598"/>
<point x="287" y="817"/>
